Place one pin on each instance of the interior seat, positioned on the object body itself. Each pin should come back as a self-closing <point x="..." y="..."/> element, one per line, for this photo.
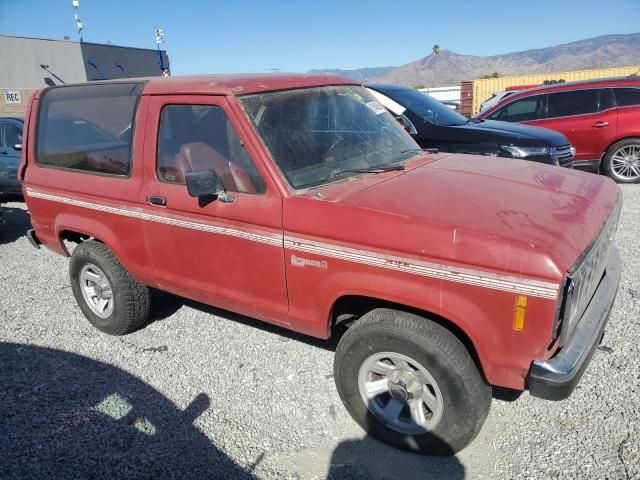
<point x="200" y="156"/>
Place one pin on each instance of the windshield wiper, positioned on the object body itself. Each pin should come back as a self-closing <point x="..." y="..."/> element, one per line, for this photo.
<point x="418" y="150"/>
<point x="388" y="168"/>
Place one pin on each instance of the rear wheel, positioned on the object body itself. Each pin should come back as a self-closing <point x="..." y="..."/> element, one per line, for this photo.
<point x="411" y="383"/>
<point x="111" y="299"/>
<point x="622" y="161"/>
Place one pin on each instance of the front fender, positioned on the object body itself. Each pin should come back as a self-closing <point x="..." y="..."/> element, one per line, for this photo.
<point x="485" y="316"/>
<point x="457" y="311"/>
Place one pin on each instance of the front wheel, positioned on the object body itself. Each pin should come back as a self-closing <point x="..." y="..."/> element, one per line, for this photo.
<point x="621" y="162"/>
<point x="411" y="383"/>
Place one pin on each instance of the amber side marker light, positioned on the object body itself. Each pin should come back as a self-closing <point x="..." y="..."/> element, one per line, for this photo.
<point x="520" y="312"/>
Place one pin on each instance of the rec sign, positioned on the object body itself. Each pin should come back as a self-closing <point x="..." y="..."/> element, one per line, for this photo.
<point x="12" y="97"/>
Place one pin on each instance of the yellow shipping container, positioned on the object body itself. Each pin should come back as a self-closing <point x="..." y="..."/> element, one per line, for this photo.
<point x="484" y="88"/>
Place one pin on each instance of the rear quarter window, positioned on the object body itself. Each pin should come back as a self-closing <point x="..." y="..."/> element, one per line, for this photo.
<point x="627" y="97"/>
<point x="88" y="128"/>
<point x="569" y="103"/>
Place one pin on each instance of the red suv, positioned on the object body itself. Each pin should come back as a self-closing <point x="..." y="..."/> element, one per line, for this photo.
<point x="600" y="117"/>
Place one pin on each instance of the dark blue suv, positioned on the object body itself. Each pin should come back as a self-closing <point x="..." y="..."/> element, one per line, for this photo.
<point x="10" y="146"/>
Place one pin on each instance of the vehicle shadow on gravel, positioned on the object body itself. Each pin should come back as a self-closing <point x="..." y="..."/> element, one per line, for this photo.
<point x="63" y="415"/>
<point x="17" y="222"/>
<point x="370" y="459"/>
<point x="163" y="305"/>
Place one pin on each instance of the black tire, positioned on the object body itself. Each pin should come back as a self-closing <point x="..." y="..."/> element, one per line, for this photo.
<point x="131" y="299"/>
<point x="465" y="394"/>
<point x="607" y="161"/>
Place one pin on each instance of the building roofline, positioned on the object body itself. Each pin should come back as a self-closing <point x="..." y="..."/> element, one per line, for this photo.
<point x="79" y="43"/>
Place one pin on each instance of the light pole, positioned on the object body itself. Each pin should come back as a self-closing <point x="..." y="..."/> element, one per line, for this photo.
<point x="159" y="32"/>
<point x="76" y="4"/>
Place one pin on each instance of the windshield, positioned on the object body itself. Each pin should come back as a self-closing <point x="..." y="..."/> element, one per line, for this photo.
<point x="427" y="108"/>
<point x="315" y="135"/>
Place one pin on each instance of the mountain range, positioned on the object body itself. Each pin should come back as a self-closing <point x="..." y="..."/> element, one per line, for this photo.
<point x="450" y="68"/>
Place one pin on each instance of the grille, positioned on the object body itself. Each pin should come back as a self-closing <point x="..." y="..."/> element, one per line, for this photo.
<point x="564" y="155"/>
<point x="584" y="279"/>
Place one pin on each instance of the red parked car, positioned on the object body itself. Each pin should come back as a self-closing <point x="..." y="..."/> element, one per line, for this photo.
<point x="601" y="118"/>
<point x="301" y="201"/>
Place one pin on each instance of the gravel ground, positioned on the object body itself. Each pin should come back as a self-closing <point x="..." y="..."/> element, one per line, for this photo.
<point x="204" y="393"/>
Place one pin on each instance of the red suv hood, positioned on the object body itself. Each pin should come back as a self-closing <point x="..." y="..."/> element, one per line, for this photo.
<point x="514" y="216"/>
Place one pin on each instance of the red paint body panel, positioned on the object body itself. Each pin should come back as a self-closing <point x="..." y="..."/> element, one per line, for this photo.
<point x="590" y="142"/>
<point x="628" y="122"/>
<point x="484" y="315"/>
<point x="450" y="235"/>
<point x="591" y="134"/>
<point x="222" y="269"/>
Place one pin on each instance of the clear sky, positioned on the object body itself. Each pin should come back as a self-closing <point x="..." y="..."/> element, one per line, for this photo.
<point x="207" y="36"/>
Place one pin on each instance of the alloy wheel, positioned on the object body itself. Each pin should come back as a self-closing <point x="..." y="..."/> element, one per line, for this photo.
<point x="96" y="290"/>
<point x="400" y="393"/>
<point x="625" y="163"/>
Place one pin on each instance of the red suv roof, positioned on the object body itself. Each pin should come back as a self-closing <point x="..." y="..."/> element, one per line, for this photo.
<point x="557" y="87"/>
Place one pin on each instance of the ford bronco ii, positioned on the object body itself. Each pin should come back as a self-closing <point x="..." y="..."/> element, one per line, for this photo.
<point x="299" y="200"/>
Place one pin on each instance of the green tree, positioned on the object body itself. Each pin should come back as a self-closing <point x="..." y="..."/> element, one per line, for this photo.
<point x="419" y="86"/>
<point x="493" y="75"/>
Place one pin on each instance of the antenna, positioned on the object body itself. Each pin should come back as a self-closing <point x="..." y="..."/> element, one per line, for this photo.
<point x="79" y="24"/>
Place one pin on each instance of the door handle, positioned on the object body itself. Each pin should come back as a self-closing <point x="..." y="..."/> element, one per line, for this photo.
<point x="600" y="124"/>
<point x="160" y="201"/>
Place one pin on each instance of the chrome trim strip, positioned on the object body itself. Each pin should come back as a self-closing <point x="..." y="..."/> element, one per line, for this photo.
<point x="505" y="283"/>
<point x="272" y="239"/>
<point x="465" y="276"/>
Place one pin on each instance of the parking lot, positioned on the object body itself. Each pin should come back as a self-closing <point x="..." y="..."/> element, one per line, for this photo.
<point x="202" y="392"/>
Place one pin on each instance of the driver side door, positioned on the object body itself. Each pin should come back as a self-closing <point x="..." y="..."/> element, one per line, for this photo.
<point x="225" y="252"/>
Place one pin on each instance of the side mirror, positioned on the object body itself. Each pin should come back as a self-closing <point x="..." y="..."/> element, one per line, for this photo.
<point x="203" y="183"/>
<point x="17" y="147"/>
<point x="207" y="187"/>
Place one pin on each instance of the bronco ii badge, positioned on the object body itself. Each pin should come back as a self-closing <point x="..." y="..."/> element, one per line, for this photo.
<point x="301" y="262"/>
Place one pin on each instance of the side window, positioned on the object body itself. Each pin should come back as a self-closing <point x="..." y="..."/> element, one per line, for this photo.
<point x="201" y="137"/>
<point x="626" y="97"/>
<point x="606" y="99"/>
<point x="12" y="135"/>
<point x="577" y="102"/>
<point x="522" y="110"/>
<point x="88" y="127"/>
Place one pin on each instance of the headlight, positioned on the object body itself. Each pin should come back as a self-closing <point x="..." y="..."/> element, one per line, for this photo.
<point x="524" y="152"/>
<point x="572" y="149"/>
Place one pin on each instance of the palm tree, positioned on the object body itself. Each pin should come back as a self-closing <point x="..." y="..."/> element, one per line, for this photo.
<point x="436" y="52"/>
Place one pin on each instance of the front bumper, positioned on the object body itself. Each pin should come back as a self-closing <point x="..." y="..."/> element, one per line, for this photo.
<point x="556" y="378"/>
